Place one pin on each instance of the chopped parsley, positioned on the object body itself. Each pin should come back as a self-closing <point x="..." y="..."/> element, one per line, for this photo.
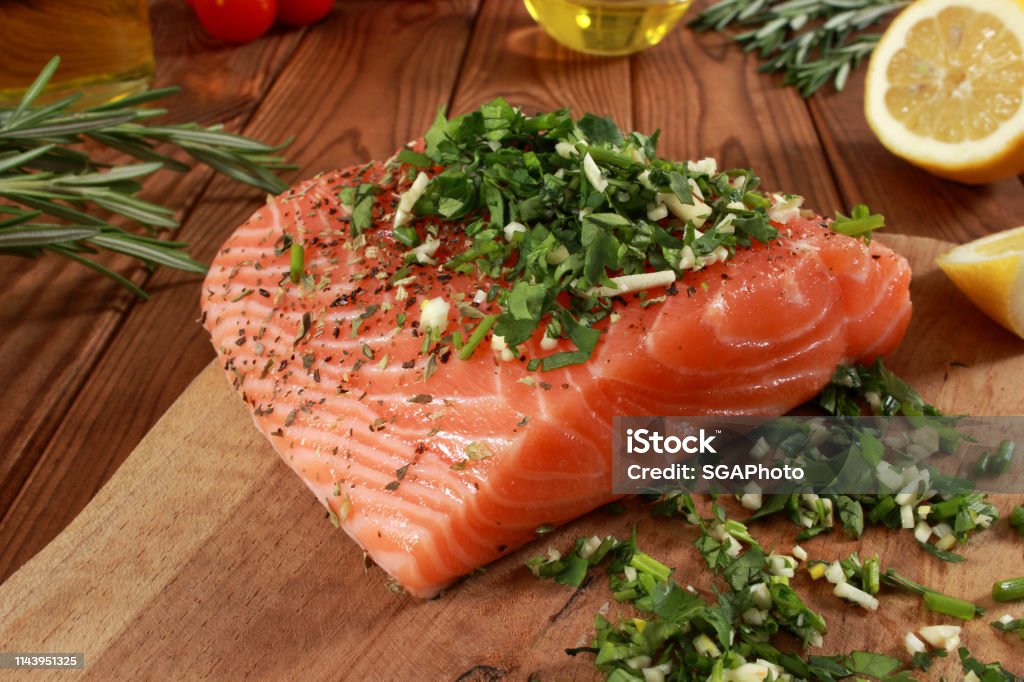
<point x="1013" y="626"/>
<point x="682" y="635"/>
<point x="962" y="509"/>
<point x="555" y="208"/>
<point x="985" y="672"/>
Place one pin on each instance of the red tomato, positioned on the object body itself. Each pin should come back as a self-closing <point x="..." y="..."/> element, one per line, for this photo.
<point x="236" y="21"/>
<point x="303" y="12"/>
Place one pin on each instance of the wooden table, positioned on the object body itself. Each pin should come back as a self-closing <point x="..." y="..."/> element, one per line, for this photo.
<point x="87" y="369"/>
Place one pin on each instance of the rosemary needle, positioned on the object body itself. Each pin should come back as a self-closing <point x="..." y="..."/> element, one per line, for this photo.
<point x="45" y="174"/>
<point x="811" y="41"/>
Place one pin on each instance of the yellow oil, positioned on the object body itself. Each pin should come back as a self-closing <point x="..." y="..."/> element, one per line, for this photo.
<point x="607" y="27"/>
<point x="105" y="46"/>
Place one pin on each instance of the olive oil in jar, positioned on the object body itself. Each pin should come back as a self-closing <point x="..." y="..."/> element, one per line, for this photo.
<point x="607" y="27"/>
<point x="105" y="46"/>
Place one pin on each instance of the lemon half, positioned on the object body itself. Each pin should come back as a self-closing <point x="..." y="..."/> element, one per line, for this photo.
<point x="945" y="88"/>
<point x="990" y="271"/>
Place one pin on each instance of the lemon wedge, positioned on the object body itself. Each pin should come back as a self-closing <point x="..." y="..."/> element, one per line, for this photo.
<point x="945" y="88"/>
<point x="990" y="271"/>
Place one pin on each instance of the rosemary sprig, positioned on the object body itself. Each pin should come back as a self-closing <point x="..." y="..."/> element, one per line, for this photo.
<point x="46" y="174"/>
<point x="810" y="41"/>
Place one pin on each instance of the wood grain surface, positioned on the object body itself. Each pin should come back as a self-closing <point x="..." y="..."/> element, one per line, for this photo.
<point x="205" y="557"/>
<point x="88" y="370"/>
<point x="59" y="320"/>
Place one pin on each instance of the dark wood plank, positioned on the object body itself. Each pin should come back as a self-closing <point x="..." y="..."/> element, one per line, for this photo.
<point x="58" y="317"/>
<point x="706" y="96"/>
<point x="347" y="101"/>
<point x="512" y="57"/>
<point x="912" y="200"/>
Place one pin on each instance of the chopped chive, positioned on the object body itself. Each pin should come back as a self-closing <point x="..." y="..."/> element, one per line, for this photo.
<point x="1008" y="590"/>
<point x="297" y="262"/>
<point x="949" y="606"/>
<point x="1003" y="458"/>
<point x="477" y="336"/>
<point x="645" y="563"/>
<point x="934" y="600"/>
<point x="1017" y="519"/>
<point x="870" y="576"/>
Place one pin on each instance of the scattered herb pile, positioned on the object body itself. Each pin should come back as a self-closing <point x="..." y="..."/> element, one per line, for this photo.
<point x="680" y="635"/>
<point x="812" y="42"/>
<point x="867" y="576"/>
<point x="567" y="214"/>
<point x="912" y="501"/>
<point x="46" y="175"/>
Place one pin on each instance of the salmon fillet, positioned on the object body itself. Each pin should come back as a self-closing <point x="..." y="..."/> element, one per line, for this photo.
<point x="437" y="465"/>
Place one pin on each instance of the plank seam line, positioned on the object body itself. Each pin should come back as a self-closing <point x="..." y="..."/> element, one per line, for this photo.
<point x="133" y="302"/>
<point x="465" y="53"/>
<point x="817" y="123"/>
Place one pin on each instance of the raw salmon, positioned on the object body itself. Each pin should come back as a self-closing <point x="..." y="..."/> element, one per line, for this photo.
<point x="437" y="465"/>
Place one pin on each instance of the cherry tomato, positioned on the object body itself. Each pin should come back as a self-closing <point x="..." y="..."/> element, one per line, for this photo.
<point x="303" y="12"/>
<point x="236" y="21"/>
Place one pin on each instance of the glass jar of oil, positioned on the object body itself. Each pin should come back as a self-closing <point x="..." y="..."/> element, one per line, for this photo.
<point x="105" y="46"/>
<point x="607" y="27"/>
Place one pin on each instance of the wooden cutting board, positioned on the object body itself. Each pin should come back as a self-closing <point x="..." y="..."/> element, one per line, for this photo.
<point x="205" y="557"/>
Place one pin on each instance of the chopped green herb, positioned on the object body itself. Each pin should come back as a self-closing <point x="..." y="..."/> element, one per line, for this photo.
<point x="679" y="635"/>
<point x="985" y="672"/>
<point x="1008" y="590"/>
<point x="362" y="208"/>
<point x="298" y="255"/>
<point x="344" y="507"/>
<point x="945" y="555"/>
<point x="1003" y="458"/>
<point x="1017" y="519"/>
<point x="923" y="660"/>
<point x="530" y="195"/>
<point x="415" y="159"/>
<point x="860" y="223"/>
<point x="484" y="326"/>
<point x="368" y="312"/>
<point x="934" y="600"/>
<point x="851" y="390"/>
<point x="331" y="515"/>
<point x="430" y="367"/>
<point x="1016" y="625"/>
<point x="304" y="326"/>
<point x="477" y="451"/>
